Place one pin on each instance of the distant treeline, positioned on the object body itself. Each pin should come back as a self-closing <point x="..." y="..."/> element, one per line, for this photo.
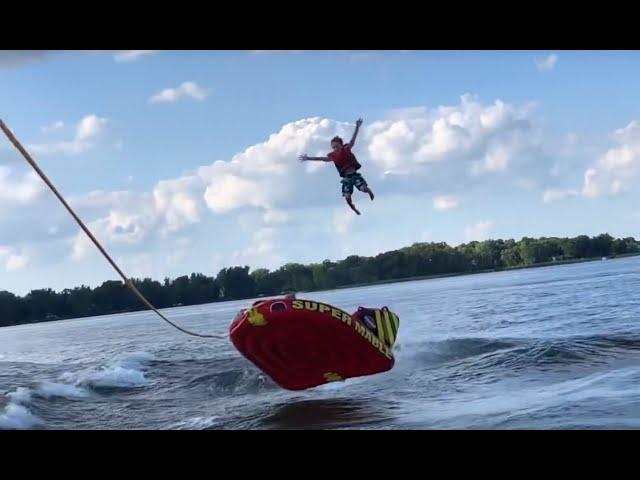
<point x="418" y="260"/>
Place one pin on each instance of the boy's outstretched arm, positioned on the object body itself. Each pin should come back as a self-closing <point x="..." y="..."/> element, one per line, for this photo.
<point x="304" y="157"/>
<point x="355" y="133"/>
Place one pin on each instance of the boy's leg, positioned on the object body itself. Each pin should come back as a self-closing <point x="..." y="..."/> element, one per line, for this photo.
<point x="368" y="190"/>
<point x="350" y="202"/>
<point x="347" y="190"/>
<point x="361" y="184"/>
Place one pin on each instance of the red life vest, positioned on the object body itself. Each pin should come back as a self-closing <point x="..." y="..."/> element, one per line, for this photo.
<point x="344" y="159"/>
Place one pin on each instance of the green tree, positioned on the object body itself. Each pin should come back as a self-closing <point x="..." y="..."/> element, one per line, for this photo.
<point x="235" y="282"/>
<point x="602" y="245"/>
<point x="12" y="309"/>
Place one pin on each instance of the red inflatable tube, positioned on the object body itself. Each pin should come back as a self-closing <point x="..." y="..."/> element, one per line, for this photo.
<point x="303" y="343"/>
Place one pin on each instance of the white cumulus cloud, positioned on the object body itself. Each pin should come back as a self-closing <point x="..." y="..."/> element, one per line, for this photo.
<point x="20" y="189"/>
<point x="460" y="141"/>
<point x="553" y="195"/>
<point x="87" y="131"/>
<point x="619" y="167"/>
<point x="469" y="142"/>
<point x="185" y="90"/>
<point x="262" y="250"/>
<point x="445" y="202"/>
<point x="343" y="220"/>
<point x="614" y="172"/>
<point x="131" y="55"/>
<point x="115" y="218"/>
<point x="116" y="228"/>
<point x="13" y="258"/>
<point x="179" y="201"/>
<point x="53" y="127"/>
<point x="547" y="63"/>
<point x="479" y="231"/>
<point x="275" y="216"/>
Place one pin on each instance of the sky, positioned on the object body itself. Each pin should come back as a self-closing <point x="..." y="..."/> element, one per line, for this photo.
<point x="187" y="161"/>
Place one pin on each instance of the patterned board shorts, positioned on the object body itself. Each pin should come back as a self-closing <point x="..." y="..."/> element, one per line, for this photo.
<point x="350" y="180"/>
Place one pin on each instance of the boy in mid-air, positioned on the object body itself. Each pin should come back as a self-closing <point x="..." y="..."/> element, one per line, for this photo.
<point x="347" y="165"/>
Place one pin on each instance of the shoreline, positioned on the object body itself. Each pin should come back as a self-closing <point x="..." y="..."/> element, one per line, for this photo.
<point x="368" y="284"/>
<point x="491" y="270"/>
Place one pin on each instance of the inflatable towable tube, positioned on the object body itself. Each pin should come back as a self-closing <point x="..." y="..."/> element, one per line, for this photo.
<point x="303" y="343"/>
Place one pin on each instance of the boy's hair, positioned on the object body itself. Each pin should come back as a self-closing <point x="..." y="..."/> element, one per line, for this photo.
<point x="337" y="139"/>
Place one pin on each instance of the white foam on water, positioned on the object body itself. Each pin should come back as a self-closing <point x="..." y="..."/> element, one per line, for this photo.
<point x="16" y="416"/>
<point x="21" y="395"/>
<point x="194" y="423"/>
<point x="51" y="389"/>
<point x="123" y="372"/>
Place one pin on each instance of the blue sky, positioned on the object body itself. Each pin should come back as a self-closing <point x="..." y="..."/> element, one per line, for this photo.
<point x="185" y="161"/>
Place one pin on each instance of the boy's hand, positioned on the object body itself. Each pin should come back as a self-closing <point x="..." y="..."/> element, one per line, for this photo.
<point x="303" y="157"/>
<point x="358" y="122"/>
